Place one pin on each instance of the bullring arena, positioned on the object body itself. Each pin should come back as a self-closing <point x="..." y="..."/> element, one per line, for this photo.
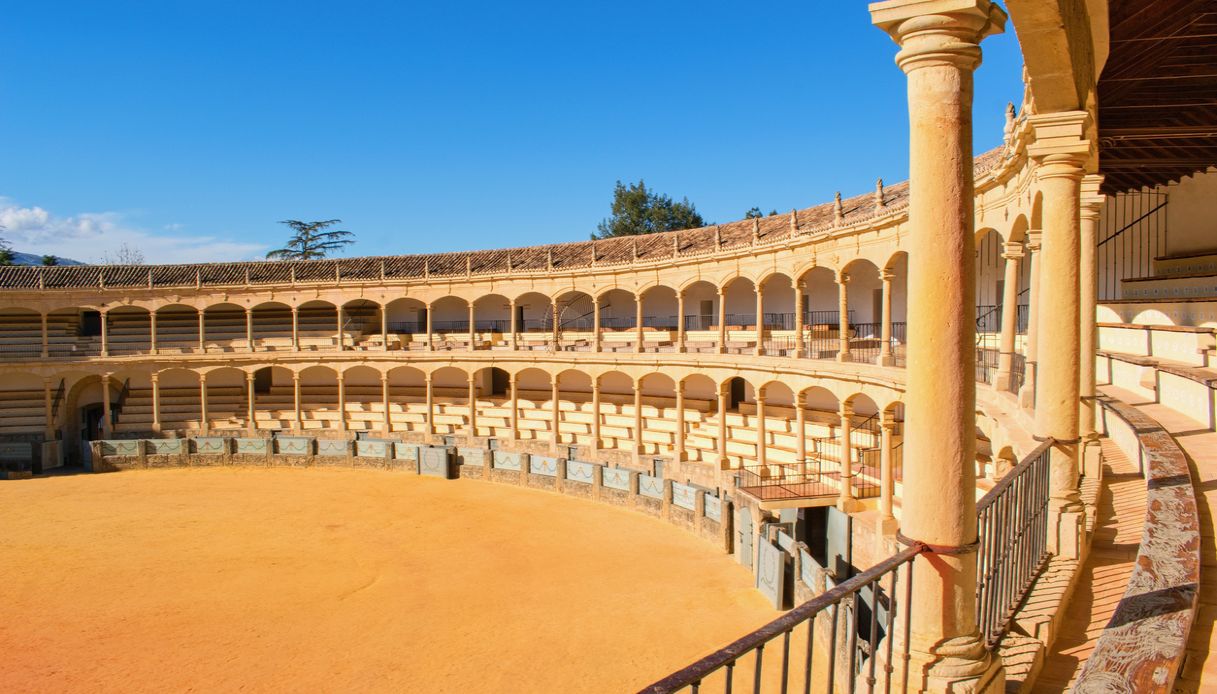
<point x="950" y="434"/>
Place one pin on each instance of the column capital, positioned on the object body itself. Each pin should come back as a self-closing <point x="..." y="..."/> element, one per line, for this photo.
<point x="842" y="278"/>
<point x="1035" y="240"/>
<point x="1012" y="250"/>
<point x="203" y="378"/>
<point x="250" y="376"/>
<point x="887" y="275"/>
<point x="295" y="377"/>
<point x="384" y="379"/>
<point x="1060" y="147"/>
<point x="156" y="377"/>
<point x="935" y="33"/>
<point x="1092" y="197"/>
<point x="846" y="410"/>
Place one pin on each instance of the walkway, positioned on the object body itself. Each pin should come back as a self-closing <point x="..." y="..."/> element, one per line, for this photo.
<point x="1104" y="576"/>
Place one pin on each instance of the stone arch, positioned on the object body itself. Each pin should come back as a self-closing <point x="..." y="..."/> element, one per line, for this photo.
<point x="223" y="326"/>
<point x="575" y="310"/>
<point x="820" y="305"/>
<point x="659" y="304"/>
<point x="20" y="333"/>
<point x="617" y="310"/>
<point x="272" y="321"/>
<point x="492" y="313"/>
<point x="863" y="291"/>
<point x="778" y="291"/>
<point x="701" y="305"/>
<point x="739" y="294"/>
<point x="533" y="313"/>
<point x="227" y="392"/>
<point x="450" y="314"/>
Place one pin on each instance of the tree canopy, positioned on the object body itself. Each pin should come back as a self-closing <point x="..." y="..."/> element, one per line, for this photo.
<point x="637" y="210"/>
<point x="124" y="255"/>
<point x="312" y="240"/>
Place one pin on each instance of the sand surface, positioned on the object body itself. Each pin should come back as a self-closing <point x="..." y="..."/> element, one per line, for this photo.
<point x="236" y="579"/>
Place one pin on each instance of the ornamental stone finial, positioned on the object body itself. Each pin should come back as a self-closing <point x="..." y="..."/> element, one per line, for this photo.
<point x="675" y="244"/>
<point x="880" y="198"/>
<point x="594" y="252"/>
<point x="794" y="222"/>
<point x="718" y="238"/>
<point x="549" y="258"/>
<point x="1011" y="114"/>
<point x="756" y="229"/>
<point x="838" y="210"/>
<point x="634" y="248"/>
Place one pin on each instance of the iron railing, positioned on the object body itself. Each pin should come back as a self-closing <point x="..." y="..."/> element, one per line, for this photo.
<point x="987" y="361"/>
<point x="1012" y="521"/>
<point x="1134" y="232"/>
<point x="741" y="320"/>
<point x="410" y="327"/>
<point x="1018" y="372"/>
<point x="803" y="480"/>
<point x="19" y="351"/>
<point x="865" y="341"/>
<point x="700" y="322"/>
<point x="805" y="656"/>
<point x="826" y="317"/>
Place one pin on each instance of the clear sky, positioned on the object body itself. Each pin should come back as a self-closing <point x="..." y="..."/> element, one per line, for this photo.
<point x="188" y="129"/>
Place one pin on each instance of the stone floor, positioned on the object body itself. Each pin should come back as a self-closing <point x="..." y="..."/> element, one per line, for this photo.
<point x="1117" y="532"/>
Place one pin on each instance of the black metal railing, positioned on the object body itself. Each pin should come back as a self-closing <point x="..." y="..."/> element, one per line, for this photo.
<point x="779" y="321"/>
<point x="450" y="326"/>
<point x="865" y="341"/>
<point x="741" y="320"/>
<point x="20" y="352"/>
<point x="805" y="656"/>
<point x="700" y="322"/>
<point x="822" y="343"/>
<point x="57" y="401"/>
<point x="808" y="479"/>
<point x="410" y="327"/>
<point x="826" y="317"/>
<point x="988" y="318"/>
<point x="1022" y="320"/>
<point x="660" y="322"/>
<point x="1012" y="521"/>
<point x="618" y="323"/>
<point x="1018" y="372"/>
<point x="986" y="364"/>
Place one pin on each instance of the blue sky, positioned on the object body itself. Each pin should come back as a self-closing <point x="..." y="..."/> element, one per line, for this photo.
<point x="189" y="129"/>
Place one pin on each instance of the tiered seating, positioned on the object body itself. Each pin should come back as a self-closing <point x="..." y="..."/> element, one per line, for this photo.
<point x="180" y="409"/>
<point x="22" y="412"/>
<point x="20" y="335"/>
<point x="1184" y="276"/>
<point x="129" y="332"/>
<point x="177" y="331"/>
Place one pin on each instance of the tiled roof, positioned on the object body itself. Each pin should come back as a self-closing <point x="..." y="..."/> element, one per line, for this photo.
<point x="582" y="254"/>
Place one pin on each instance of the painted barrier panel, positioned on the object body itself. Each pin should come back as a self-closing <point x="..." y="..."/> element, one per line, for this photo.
<point x="509" y="460"/>
<point x="469" y="455"/>
<point x="253" y="446"/>
<point x="405" y="451"/>
<point x="579" y="471"/>
<point x="210" y="445"/>
<point x="807" y="567"/>
<point x="651" y="486"/>
<point x="108" y="447"/>
<point x="167" y="446"/>
<point x="714" y="507"/>
<point x="683" y="496"/>
<point x="617" y="478"/>
<point x="371" y="448"/>
<point x="294" y="445"/>
<point x="436" y="461"/>
<point x="770" y="569"/>
<point x="332" y="448"/>
<point x="23" y="450"/>
<point x="543" y="465"/>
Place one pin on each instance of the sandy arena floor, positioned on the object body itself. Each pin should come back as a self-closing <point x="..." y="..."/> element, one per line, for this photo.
<point x="347" y="580"/>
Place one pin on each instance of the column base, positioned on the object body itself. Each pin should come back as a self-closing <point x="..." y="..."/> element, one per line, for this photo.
<point x="1066" y="526"/>
<point x="886" y="360"/>
<point x="843" y="357"/>
<point x="1092" y="457"/>
<point x="960" y="665"/>
<point x="850" y="505"/>
<point x="1001" y="381"/>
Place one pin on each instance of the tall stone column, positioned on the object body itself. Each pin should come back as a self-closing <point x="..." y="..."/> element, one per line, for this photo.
<point x="799" y="288"/>
<point x="107" y="418"/>
<point x="1061" y="151"/>
<point x="940" y="49"/>
<point x="473" y="405"/>
<point x="204" y="419"/>
<point x="842" y="317"/>
<point x="151" y="332"/>
<point x="680" y="421"/>
<point x="46" y="337"/>
<point x="722" y="426"/>
<point x="595" y="413"/>
<point x="48" y="429"/>
<point x="1013" y="254"/>
<point x="430" y="430"/>
<point x="296" y="328"/>
<point x="638" y="323"/>
<point x="515" y="329"/>
<point x="249" y="328"/>
<point x="340" y="313"/>
<point x="680" y="322"/>
<point x="762" y="457"/>
<point x="156" y="403"/>
<point x="800" y="430"/>
<point x="1026" y="395"/>
<point x="298" y="414"/>
<point x="845" y="498"/>
<point x="596" y="337"/>
<point x="515" y="407"/>
<point x="722" y="320"/>
<point x="637" y="419"/>
<point x="342" y="403"/>
<point x="472" y="326"/>
<point x="384" y="402"/>
<point x="555" y="414"/>
<point x="760" y="320"/>
<point x="105" y="333"/>
<point x="203" y="329"/>
<point x="887" y="478"/>
<point x="430" y="332"/>
<point x="1091" y="209"/>
<point x="251" y="424"/>
<point x="384" y="329"/>
<point x="555" y="327"/>
<point x="885" y="327"/>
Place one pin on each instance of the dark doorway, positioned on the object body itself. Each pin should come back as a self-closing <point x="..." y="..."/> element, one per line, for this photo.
<point x="737" y="392"/>
<point x="90" y="323"/>
<point x="500" y="381"/>
<point x="262" y="381"/>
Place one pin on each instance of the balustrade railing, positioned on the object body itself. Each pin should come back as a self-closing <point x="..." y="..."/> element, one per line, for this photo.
<point x="1012" y="522"/>
<point x="871" y="640"/>
<point x="741" y="320"/>
<point x="986" y="364"/>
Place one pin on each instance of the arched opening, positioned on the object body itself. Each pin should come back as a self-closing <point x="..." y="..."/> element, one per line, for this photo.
<point x="533" y="393"/>
<point x="272" y="326"/>
<point x="617" y="411"/>
<point x="84" y="421"/>
<point x="361" y="323"/>
<point x="659" y="310"/>
<point x="777" y="298"/>
<point x="740" y="297"/>
<point x="576" y="316"/>
<point x="990" y="284"/>
<point x="492" y="316"/>
<point x="129" y="330"/>
<point x="224" y="327"/>
<point x="20" y="334"/>
<point x="701" y="316"/>
<point x="898" y="270"/>
<point x="74" y="332"/>
<point x="701" y="403"/>
<point x="407" y="400"/>
<point x="177" y="329"/>
<point x="575" y="408"/>
<point x="227" y="402"/>
<point x="407" y="324"/>
<point x="133" y="405"/>
<point x="363" y="398"/>
<point x="274" y="399"/>
<point x="659" y="415"/>
<point x="318" y="325"/>
<point x="821" y="313"/>
<point x="617" y="312"/>
<point x="23" y="421"/>
<point x="864" y="301"/>
<point x="450" y="317"/>
<point x="450" y="390"/>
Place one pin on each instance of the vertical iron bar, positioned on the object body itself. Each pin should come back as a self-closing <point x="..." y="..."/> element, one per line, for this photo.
<point x="874" y="635"/>
<point x="756" y="676"/>
<point x="785" y="659"/>
<point x="908" y="623"/>
<point x="811" y="642"/>
<point x="890" y="631"/>
<point x="730" y="676"/>
<point x="832" y="647"/>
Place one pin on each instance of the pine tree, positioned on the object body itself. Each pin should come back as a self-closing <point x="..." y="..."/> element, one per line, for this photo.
<point x="311" y="241"/>
<point x="637" y="210"/>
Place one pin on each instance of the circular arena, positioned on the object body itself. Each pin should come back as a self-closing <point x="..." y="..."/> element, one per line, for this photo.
<point x="317" y="579"/>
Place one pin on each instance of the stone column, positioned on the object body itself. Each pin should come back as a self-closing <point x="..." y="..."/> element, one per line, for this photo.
<point x="384" y="329"/>
<point x="845" y="498"/>
<point x="554" y="327"/>
<point x="1061" y="152"/>
<point x="762" y="457"/>
<point x="842" y="317"/>
<point x="204" y="419"/>
<point x="800" y="431"/>
<point x="156" y="403"/>
<point x="250" y="422"/>
<point x="473" y="405"/>
<point x="940" y="49"/>
<point x="106" y="417"/>
<point x="46" y="337"/>
<point x="430" y="334"/>
<point x="430" y="430"/>
<point x="638" y="444"/>
<point x="887" y="478"/>
<point x="296" y="328"/>
<point x="384" y="398"/>
<point x="203" y="330"/>
<point x="298" y="415"/>
<point x="596" y="324"/>
<point x="681" y="456"/>
<point x="799" y="288"/>
<point x="680" y="322"/>
<point x="723" y="461"/>
<point x="1026" y="396"/>
<point x="1091" y="209"/>
<point x="341" y="313"/>
<point x="885" y="327"/>
<point x="472" y="326"/>
<point x="638" y="323"/>
<point x="249" y="328"/>
<point x="515" y="407"/>
<point x="595" y="413"/>
<point x="48" y="431"/>
<point x="342" y="403"/>
<point x="105" y="333"/>
<point x="760" y="320"/>
<point x="555" y="414"/>
<point x="722" y="320"/>
<point x="511" y="307"/>
<point x="1013" y="254"/>
<point x="151" y="332"/>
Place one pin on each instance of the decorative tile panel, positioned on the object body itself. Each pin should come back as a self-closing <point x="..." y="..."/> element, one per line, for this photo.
<point x="684" y="496"/>
<point x="579" y="471"/>
<point x="332" y="448"/>
<point x="714" y="507"/>
<point x="435" y="461"/>
<point x="543" y="465"/>
<point x="770" y="569"/>
<point x="405" y="451"/>
<point x="508" y="460"/>
<point x="294" y="445"/>
<point x="617" y="478"/>
<point x="650" y="486"/>
<point x="166" y="446"/>
<point x="252" y="446"/>
<point x="468" y="455"/>
<point x="369" y="448"/>
<point x="210" y="445"/>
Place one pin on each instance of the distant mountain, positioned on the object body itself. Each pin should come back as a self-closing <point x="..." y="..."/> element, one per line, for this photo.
<point x="31" y="259"/>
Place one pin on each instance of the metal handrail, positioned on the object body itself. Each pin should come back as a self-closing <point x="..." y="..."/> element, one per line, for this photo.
<point x="728" y="656"/>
